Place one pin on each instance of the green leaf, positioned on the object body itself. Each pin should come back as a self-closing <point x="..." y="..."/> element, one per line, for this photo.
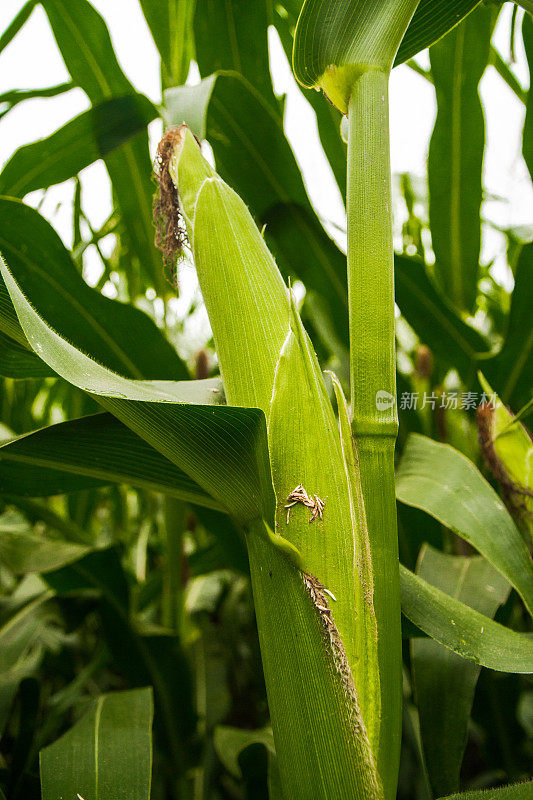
<point x="456" y="156"/>
<point x="445" y="484"/>
<point x="222" y="449"/>
<point x="432" y="20"/>
<point x="170" y="23"/>
<point x="108" y="753"/>
<point x="254" y="157"/>
<point x="467" y="632"/>
<point x="88" y="452"/>
<point x="88" y="53"/>
<point x="152" y="659"/>
<point x="17" y="361"/>
<point x="331" y="50"/>
<point x="92" y="135"/>
<point x="17" y="23"/>
<point x="117" y="335"/>
<point x="15" y="96"/>
<point x="433" y="318"/>
<point x="25" y="552"/>
<point x="240" y="44"/>
<point x="517" y="791"/>
<point x="511" y="370"/>
<point x="444" y="682"/>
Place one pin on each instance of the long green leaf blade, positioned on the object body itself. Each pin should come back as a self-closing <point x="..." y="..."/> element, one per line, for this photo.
<point x="456" y="156"/>
<point x="88" y="53"/>
<point x="108" y="753"/>
<point x="467" y="632"/>
<point x="117" y="335"/>
<point x="223" y="449"/>
<point x="434" y="319"/>
<point x="445" y="484"/>
<point x="92" y="135"/>
<point x="91" y="451"/>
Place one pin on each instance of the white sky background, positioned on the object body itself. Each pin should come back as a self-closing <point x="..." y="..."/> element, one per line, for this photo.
<point x="32" y="60"/>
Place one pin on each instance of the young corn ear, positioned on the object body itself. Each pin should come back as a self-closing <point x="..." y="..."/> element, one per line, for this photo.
<point x="324" y="681"/>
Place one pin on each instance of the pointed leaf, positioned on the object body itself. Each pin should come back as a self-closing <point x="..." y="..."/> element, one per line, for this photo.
<point x="445" y="484"/>
<point x="456" y="156"/>
<point x="91" y="451"/>
<point x="117" y="335"/>
<point x="467" y="632"/>
<point x="85" y="139"/>
<point x="108" y="753"/>
<point x="223" y="449"/>
<point x="88" y="53"/>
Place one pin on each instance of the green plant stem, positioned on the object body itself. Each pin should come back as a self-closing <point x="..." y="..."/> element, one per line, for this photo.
<point x="372" y="358"/>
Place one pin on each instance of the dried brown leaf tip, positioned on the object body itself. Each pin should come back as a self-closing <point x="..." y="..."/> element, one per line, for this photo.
<point x="170" y="233"/>
<point x="513" y="493"/>
<point x="314" y="502"/>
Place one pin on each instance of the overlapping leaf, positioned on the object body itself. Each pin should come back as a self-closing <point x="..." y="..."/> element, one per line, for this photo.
<point x="444" y="682"/>
<point x="89" y="452"/>
<point x="467" y="632"/>
<point x="222" y="449"/>
<point x="331" y="48"/>
<point x="445" y="484"/>
<point x="92" y="135"/>
<point x="115" y="334"/>
<point x="170" y="23"/>
<point x="87" y="51"/>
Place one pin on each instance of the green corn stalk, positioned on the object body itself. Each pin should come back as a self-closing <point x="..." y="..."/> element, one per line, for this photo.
<point x="349" y="55"/>
<point x="309" y="557"/>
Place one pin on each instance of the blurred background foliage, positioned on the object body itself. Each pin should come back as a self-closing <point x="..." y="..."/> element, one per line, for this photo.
<point x="107" y="583"/>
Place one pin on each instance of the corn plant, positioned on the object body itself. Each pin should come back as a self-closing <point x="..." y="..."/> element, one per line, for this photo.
<point x="290" y="470"/>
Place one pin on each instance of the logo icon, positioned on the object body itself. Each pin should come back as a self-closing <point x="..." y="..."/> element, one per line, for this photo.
<point x="384" y="400"/>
